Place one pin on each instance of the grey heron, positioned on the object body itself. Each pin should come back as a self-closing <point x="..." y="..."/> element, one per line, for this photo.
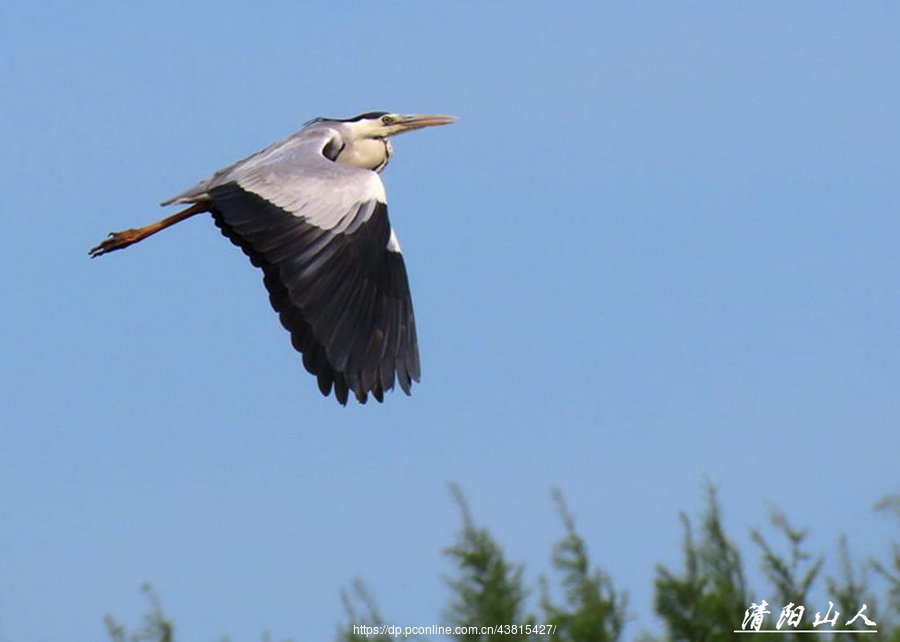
<point x="311" y="212"/>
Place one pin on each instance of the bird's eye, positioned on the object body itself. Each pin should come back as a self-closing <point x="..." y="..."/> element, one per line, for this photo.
<point x="387" y="120"/>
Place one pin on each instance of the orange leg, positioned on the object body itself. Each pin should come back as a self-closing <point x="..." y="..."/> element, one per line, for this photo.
<point x="120" y="240"/>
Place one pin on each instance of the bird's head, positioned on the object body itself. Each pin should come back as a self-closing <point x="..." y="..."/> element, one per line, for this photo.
<point x="364" y="140"/>
<point x="381" y="124"/>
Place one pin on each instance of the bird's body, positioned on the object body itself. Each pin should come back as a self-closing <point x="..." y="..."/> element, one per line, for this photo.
<point x="311" y="212"/>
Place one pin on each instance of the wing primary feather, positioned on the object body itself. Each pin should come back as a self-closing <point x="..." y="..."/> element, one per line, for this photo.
<point x="342" y="295"/>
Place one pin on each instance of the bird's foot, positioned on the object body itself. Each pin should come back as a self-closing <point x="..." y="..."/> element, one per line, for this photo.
<point x="116" y="241"/>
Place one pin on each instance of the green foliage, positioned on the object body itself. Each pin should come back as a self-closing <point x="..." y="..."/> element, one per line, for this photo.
<point x="156" y="628"/>
<point x="890" y="572"/>
<point x="362" y="616"/>
<point x="788" y="587"/>
<point x="488" y="589"/>
<point x="792" y="578"/>
<point x="701" y="603"/>
<point x="850" y="591"/>
<point x="789" y="590"/>
<point x="593" y="611"/>
<point x="705" y="601"/>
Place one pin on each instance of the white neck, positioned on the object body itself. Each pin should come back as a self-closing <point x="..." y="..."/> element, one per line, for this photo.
<point x="369" y="153"/>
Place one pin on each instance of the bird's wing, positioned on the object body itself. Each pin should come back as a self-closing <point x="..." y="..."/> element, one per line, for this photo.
<point x="320" y="232"/>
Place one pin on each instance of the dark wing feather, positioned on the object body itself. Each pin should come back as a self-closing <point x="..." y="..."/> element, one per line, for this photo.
<point x="343" y="296"/>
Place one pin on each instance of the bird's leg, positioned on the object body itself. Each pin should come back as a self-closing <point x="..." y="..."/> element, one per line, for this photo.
<point x="120" y="240"/>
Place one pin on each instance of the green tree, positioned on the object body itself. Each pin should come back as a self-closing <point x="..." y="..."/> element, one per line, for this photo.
<point x="890" y="572"/>
<point x="592" y="611"/>
<point x="487" y="589"/>
<point x="362" y="617"/>
<point x="788" y="588"/>
<point x="701" y="603"/>
<point x="705" y="601"/>
<point x="156" y="628"/>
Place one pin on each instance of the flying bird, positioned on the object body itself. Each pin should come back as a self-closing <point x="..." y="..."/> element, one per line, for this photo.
<point x="311" y="212"/>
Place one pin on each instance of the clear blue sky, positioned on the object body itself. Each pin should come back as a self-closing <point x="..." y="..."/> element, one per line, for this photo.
<point x="659" y="247"/>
